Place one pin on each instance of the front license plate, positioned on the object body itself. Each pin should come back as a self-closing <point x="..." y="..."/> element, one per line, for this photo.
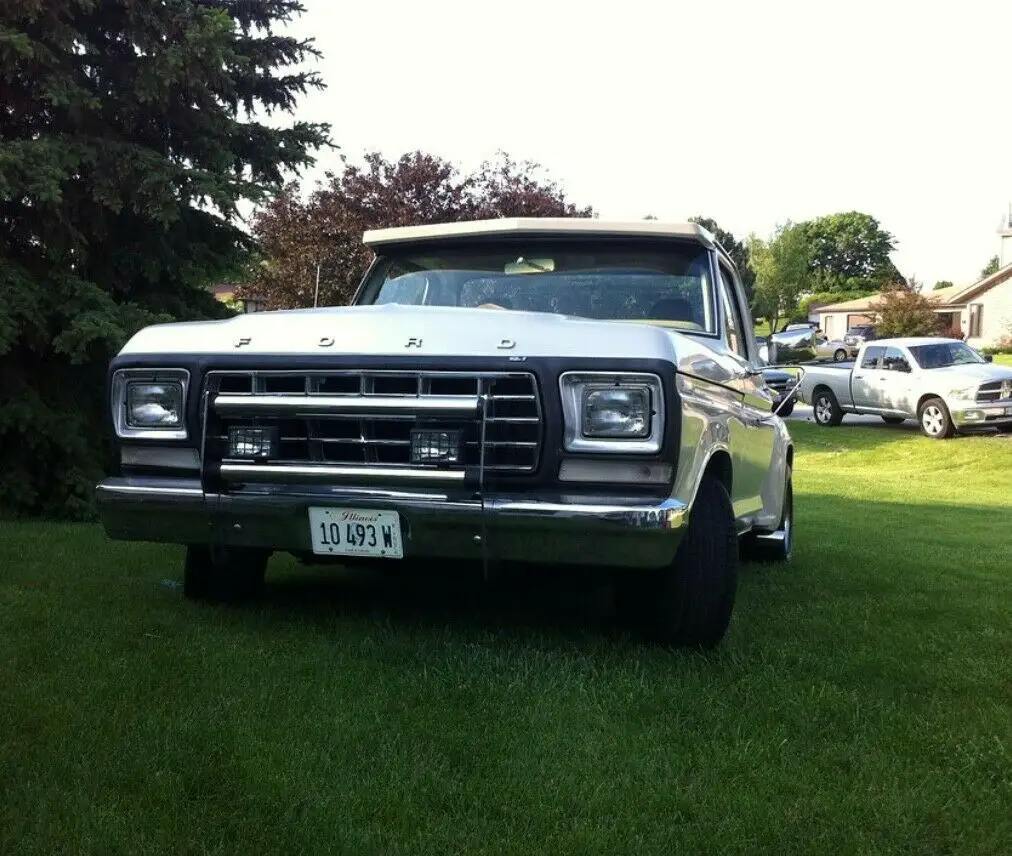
<point x="356" y="532"/>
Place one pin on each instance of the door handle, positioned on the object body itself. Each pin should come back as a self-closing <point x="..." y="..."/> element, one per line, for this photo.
<point x="858" y="376"/>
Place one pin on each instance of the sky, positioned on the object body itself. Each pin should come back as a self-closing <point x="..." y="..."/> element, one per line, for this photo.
<point x="753" y="112"/>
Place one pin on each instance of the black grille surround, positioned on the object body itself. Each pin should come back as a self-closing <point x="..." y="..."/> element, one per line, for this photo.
<point x="544" y="482"/>
<point x="383" y="408"/>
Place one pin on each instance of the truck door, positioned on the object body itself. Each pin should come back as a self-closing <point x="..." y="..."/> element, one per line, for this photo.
<point x="895" y="383"/>
<point x="866" y="379"/>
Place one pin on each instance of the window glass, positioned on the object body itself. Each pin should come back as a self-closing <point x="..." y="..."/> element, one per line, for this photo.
<point x="735" y="339"/>
<point x="894" y="361"/>
<point x="668" y="285"/>
<point x="872" y="358"/>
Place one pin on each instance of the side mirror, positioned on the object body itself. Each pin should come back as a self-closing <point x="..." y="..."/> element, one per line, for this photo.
<point x="988" y="358"/>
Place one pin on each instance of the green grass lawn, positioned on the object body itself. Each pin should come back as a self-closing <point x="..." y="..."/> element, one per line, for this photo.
<point x="861" y="703"/>
<point x="1003" y="359"/>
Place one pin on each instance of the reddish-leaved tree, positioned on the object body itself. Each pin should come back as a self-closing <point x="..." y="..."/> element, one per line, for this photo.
<point x="324" y="232"/>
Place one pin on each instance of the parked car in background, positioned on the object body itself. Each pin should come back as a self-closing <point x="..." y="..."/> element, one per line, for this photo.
<point x="856" y="336"/>
<point x="784" y="385"/>
<point x="942" y="383"/>
<point x="802" y="325"/>
<point x="830" y="349"/>
<point x="556" y="391"/>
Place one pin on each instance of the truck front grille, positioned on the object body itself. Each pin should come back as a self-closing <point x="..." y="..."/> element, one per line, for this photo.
<point x="992" y="391"/>
<point x="351" y="418"/>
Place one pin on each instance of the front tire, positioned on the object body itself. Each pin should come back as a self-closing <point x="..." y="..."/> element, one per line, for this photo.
<point x="689" y="603"/>
<point x="776" y="546"/>
<point x="826" y="408"/>
<point x="935" y="420"/>
<point x="839" y="355"/>
<point x="223" y="574"/>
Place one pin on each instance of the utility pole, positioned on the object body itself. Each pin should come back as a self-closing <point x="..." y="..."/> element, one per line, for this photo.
<point x="1005" y="231"/>
<point x="316" y="293"/>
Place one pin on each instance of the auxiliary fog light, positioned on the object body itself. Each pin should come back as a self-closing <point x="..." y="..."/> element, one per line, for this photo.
<point x="435" y="446"/>
<point x="255" y="442"/>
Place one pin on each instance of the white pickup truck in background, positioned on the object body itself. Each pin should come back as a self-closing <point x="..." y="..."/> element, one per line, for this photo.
<point x="942" y="383"/>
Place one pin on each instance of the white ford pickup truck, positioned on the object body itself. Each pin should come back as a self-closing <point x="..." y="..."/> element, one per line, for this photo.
<point x="942" y="383"/>
<point x="559" y="391"/>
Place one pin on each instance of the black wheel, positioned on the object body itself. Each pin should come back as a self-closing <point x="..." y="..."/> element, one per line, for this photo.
<point x="826" y="408"/>
<point x="934" y="419"/>
<point x="689" y="603"/>
<point x="778" y="545"/>
<point x="893" y="420"/>
<point x="839" y="355"/>
<point x="226" y="574"/>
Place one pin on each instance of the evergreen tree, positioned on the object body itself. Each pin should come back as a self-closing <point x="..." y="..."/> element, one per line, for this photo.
<point x="127" y="138"/>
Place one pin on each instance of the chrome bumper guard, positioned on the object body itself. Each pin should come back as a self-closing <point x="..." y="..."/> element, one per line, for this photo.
<point x="437" y="523"/>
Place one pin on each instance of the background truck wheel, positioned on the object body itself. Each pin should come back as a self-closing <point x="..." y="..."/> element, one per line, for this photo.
<point x="826" y="408"/>
<point x="893" y="420"/>
<point x="839" y="355"/>
<point x="779" y="547"/>
<point x="934" y="419"/>
<point x="226" y="574"/>
<point x="689" y="603"/>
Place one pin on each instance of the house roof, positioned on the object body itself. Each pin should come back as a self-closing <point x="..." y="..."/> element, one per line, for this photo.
<point x="954" y="295"/>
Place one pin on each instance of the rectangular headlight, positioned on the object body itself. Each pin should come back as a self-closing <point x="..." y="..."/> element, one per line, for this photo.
<point x="150" y="403"/>
<point x="154" y="405"/>
<point x="614" y="411"/>
<point x="620" y="412"/>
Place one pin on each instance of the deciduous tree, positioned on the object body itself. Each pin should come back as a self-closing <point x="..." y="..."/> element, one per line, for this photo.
<point x="326" y="229"/>
<point x="993" y="266"/>
<point x="903" y="311"/>
<point x="783" y="272"/>
<point x="127" y="138"/>
<point x="850" y="252"/>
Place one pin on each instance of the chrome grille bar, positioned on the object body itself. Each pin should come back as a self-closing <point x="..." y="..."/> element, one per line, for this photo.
<point x="340" y="405"/>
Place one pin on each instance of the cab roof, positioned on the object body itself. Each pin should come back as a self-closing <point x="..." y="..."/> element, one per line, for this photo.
<point x="521" y="226"/>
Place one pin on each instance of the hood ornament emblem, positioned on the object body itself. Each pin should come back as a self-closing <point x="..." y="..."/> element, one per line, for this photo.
<point x="414" y="342"/>
<point x="244" y="340"/>
<point x="326" y="341"/>
<point x="506" y="345"/>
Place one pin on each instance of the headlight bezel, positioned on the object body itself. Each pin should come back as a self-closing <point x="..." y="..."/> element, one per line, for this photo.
<point x="965" y="393"/>
<point x="124" y="379"/>
<point x="572" y="388"/>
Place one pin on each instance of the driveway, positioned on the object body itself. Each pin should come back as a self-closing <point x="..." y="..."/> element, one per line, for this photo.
<point x="803" y="413"/>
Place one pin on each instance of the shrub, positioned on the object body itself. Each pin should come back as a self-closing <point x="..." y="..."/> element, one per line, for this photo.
<point x="953" y="332"/>
<point x="1004" y="346"/>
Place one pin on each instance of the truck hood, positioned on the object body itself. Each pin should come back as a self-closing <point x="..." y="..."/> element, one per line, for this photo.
<point x="970" y="375"/>
<point x="392" y="329"/>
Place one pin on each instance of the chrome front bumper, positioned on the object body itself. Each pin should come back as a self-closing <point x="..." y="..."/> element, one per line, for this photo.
<point x="967" y="414"/>
<point x="567" y="529"/>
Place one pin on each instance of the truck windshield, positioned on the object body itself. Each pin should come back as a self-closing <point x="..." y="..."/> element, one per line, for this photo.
<point x="665" y="284"/>
<point x="942" y="354"/>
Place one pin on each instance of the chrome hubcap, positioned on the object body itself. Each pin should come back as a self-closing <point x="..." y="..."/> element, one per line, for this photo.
<point x="823" y="412"/>
<point x="932" y="420"/>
